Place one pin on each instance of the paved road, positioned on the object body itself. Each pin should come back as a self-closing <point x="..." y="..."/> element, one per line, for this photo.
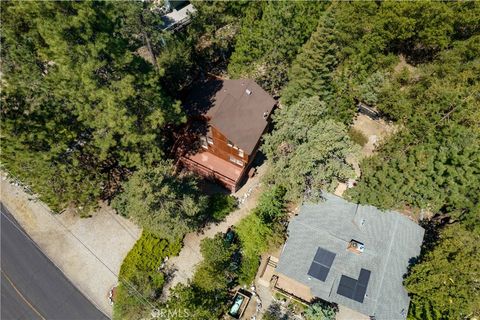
<point x="32" y="286"/>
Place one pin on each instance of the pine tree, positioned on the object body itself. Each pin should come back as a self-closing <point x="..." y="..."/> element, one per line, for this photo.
<point x="311" y="72"/>
<point x="270" y="38"/>
<point x="166" y="205"/>
<point x="79" y="107"/>
<point x="216" y="271"/>
<point x="307" y="151"/>
<point x="443" y="285"/>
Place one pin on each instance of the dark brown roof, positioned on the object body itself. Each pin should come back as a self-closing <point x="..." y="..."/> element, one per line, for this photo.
<point x="239" y="116"/>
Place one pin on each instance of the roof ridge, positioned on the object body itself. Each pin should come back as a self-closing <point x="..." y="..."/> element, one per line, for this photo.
<point x="387" y="259"/>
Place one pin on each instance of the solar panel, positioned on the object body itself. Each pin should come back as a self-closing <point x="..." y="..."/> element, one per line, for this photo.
<point x="352" y="288"/>
<point x="344" y="291"/>
<point x="324" y="257"/>
<point x="321" y="264"/>
<point x="348" y="282"/>
<point x="346" y="287"/>
<point x="359" y="293"/>
<point x="318" y="271"/>
<point x="364" y="277"/>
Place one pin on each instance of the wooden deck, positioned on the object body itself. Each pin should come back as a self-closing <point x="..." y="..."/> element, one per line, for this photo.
<point x="293" y="288"/>
<point x="211" y="166"/>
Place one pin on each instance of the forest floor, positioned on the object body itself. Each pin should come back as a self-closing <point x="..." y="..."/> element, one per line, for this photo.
<point x="375" y="131"/>
<point x="89" y="251"/>
<point x="182" y="267"/>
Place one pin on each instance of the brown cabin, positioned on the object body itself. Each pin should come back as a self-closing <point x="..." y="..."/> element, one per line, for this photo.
<point x="236" y="113"/>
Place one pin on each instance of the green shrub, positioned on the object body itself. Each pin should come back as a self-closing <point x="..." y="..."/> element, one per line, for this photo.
<point x="254" y="237"/>
<point x="147" y="254"/>
<point x="271" y="205"/>
<point x="128" y="304"/>
<point x="320" y="310"/>
<point x="220" y="206"/>
<point x="217" y="270"/>
<point x="262" y="228"/>
<point x="276" y="312"/>
<point x="357" y="136"/>
<point x="207" y="295"/>
<point x="140" y="281"/>
<point x="196" y="303"/>
<point x="297" y="307"/>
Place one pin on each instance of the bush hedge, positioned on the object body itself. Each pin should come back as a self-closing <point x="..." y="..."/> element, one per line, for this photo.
<point x="140" y="281"/>
<point x="220" y="205"/>
<point x="261" y="229"/>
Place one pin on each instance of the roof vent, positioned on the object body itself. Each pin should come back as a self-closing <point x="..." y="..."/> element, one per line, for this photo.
<point x="265" y="115"/>
<point x="355" y="246"/>
<point x="248" y="91"/>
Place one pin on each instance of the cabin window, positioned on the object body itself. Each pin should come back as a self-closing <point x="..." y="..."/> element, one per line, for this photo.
<point x="240" y="152"/>
<point x="209" y="140"/>
<point x="203" y="142"/>
<point x="230" y="144"/>
<point x="236" y="161"/>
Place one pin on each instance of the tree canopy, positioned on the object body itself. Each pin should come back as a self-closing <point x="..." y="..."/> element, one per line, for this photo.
<point x="311" y="71"/>
<point x="444" y="285"/>
<point x="307" y="151"/>
<point x="432" y="163"/>
<point x="272" y="33"/>
<point x="164" y="204"/>
<point x="77" y="102"/>
<point x="217" y="270"/>
<point x="320" y="311"/>
<point x="84" y="112"/>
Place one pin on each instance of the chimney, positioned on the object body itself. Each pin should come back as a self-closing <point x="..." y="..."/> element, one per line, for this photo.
<point x="356" y="246"/>
<point x="248" y="91"/>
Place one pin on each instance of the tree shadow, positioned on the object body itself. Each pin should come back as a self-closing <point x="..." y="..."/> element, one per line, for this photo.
<point x="325" y="304"/>
<point x="211" y="188"/>
<point x="198" y="99"/>
<point x="275" y="311"/>
<point x="430" y="241"/>
<point x="201" y="96"/>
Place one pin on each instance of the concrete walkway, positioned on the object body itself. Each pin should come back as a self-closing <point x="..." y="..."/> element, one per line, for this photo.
<point x="345" y="313"/>
<point x="183" y="265"/>
<point x="88" y="251"/>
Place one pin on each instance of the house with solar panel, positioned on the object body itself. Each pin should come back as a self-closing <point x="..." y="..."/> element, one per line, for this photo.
<point x="351" y="255"/>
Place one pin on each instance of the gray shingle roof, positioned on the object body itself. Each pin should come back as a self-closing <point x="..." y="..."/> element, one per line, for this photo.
<point x="390" y="240"/>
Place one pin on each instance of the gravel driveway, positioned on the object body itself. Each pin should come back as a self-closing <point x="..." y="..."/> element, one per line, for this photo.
<point x="183" y="265"/>
<point x="89" y="251"/>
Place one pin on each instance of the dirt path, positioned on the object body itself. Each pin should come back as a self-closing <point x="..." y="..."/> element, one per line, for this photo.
<point x="184" y="264"/>
<point x="88" y="251"/>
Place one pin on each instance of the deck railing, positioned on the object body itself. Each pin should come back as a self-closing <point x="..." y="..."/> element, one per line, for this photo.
<point x="216" y="175"/>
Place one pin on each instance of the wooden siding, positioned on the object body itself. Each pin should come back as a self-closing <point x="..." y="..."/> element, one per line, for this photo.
<point x="221" y="149"/>
<point x="210" y="174"/>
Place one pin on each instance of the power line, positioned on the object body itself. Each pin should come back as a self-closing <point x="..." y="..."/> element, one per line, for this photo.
<point x="123" y="280"/>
